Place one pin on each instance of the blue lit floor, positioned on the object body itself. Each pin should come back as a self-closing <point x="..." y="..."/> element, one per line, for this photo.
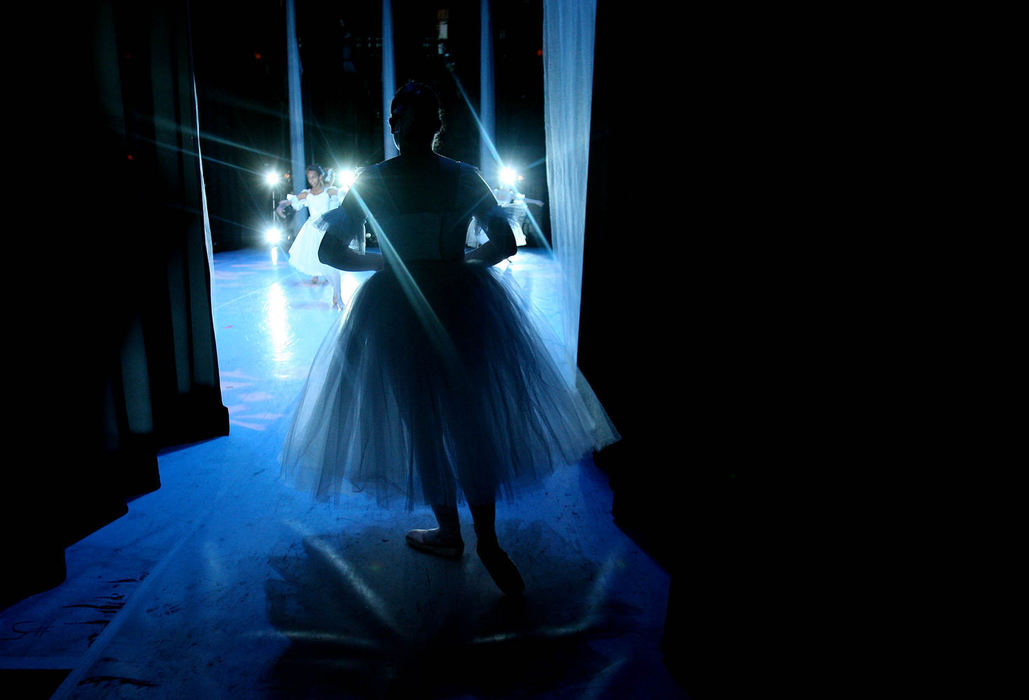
<point x="225" y="583"/>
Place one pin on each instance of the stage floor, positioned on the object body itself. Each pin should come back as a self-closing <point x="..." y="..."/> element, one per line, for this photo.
<point x="225" y="583"/>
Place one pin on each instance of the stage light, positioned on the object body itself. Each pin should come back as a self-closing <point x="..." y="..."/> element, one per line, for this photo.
<point x="508" y="176"/>
<point x="272" y="178"/>
<point x="273" y="236"/>
<point x="347" y="177"/>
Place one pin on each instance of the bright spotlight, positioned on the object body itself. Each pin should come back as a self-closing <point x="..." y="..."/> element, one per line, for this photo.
<point x="273" y="236"/>
<point x="272" y="178"/>
<point x="508" y="176"/>
<point x="347" y="177"/>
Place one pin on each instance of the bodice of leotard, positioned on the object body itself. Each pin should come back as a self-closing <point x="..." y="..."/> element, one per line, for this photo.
<point x="422" y="209"/>
<point x="317" y="204"/>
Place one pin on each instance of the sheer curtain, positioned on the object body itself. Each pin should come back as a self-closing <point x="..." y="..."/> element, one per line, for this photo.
<point x="568" y="35"/>
<point x="568" y="39"/>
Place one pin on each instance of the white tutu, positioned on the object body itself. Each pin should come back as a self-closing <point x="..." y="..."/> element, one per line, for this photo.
<point x="435" y="385"/>
<point x="392" y="408"/>
<point x="303" y="254"/>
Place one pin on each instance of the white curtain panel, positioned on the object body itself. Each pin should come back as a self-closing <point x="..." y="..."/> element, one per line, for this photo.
<point x="568" y="37"/>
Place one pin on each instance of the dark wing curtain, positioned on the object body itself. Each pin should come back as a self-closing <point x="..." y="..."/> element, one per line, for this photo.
<point x="115" y="348"/>
<point x="667" y="334"/>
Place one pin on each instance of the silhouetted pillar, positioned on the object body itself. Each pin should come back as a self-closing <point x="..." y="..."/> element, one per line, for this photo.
<point x="296" y="105"/>
<point x="389" y="81"/>
<point x="487" y="134"/>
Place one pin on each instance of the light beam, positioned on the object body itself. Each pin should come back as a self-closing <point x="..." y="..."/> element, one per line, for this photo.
<point x="496" y="155"/>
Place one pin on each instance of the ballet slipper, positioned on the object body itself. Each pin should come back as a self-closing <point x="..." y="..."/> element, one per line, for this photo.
<point x="432" y="542"/>
<point x="501" y="569"/>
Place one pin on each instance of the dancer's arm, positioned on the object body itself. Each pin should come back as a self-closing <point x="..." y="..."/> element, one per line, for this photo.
<point x="342" y="226"/>
<point x="335" y="253"/>
<point x="500" y="246"/>
<point x="297" y="200"/>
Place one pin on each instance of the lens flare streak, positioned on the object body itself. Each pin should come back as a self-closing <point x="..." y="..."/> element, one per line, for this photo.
<point x="431" y="323"/>
<point x="350" y="576"/>
<point x="496" y="155"/>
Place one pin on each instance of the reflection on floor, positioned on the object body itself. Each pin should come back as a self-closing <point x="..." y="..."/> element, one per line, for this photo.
<point x="225" y="583"/>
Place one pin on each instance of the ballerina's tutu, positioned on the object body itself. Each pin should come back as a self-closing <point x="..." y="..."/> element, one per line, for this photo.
<point x="454" y="375"/>
<point x="303" y="254"/>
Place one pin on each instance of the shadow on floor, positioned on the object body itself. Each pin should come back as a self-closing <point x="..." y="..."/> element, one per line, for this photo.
<point x="368" y="616"/>
<point x="30" y="683"/>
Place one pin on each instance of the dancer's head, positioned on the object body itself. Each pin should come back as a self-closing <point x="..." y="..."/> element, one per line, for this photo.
<point x="315" y="175"/>
<point x="415" y="117"/>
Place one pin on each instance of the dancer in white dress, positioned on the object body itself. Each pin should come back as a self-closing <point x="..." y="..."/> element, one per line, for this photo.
<point x="434" y="386"/>
<point x="319" y="198"/>
<point x="516" y="208"/>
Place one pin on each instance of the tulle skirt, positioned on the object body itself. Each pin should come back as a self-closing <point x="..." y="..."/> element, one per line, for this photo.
<point x="434" y="392"/>
<point x="303" y="254"/>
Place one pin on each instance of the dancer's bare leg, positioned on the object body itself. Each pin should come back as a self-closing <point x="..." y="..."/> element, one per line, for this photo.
<point x="498" y="564"/>
<point x="335" y="279"/>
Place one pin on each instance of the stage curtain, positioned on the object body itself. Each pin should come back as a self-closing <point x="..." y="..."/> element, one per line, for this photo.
<point x="568" y="37"/>
<point x="118" y="353"/>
